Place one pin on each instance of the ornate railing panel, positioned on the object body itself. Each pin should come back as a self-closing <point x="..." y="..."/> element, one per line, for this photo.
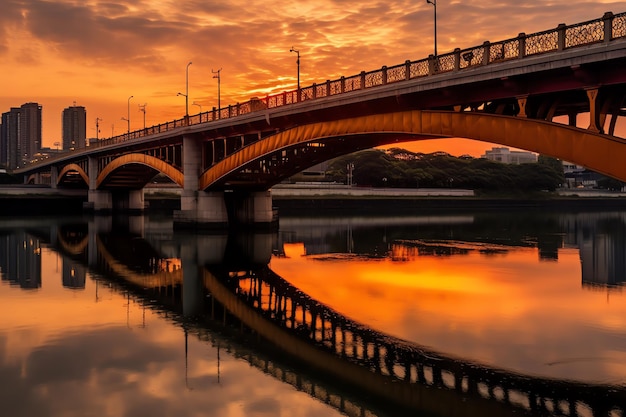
<point x="584" y="33"/>
<point x="472" y="57"/>
<point x="618" y="26"/>
<point x="539" y="43"/>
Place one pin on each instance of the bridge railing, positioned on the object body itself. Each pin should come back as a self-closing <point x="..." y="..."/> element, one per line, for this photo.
<point x="605" y="29"/>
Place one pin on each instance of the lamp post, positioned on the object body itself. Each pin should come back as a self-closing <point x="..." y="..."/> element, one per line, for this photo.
<point x="97" y="126"/>
<point x="434" y="3"/>
<point x="197" y="104"/>
<point x="128" y="114"/>
<point x="219" y="79"/>
<point x="142" y="108"/>
<point x="298" y="64"/>
<point x="186" y="90"/>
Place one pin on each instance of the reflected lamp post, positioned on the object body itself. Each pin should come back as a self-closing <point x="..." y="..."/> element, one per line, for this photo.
<point x="297" y="63"/>
<point x="186" y="90"/>
<point x="434" y="3"/>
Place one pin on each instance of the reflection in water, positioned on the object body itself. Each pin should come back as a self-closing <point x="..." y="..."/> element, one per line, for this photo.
<point x="225" y="291"/>
<point x="20" y="260"/>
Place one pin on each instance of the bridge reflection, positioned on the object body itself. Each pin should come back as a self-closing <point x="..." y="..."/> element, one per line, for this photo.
<point x="204" y="281"/>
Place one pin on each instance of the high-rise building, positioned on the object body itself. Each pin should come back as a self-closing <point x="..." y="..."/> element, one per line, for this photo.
<point x="74" y="127"/>
<point x="9" y="138"/>
<point x="29" y="132"/>
<point x="20" y="135"/>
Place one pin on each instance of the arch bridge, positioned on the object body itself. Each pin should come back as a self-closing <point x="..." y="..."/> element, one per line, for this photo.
<point x="526" y="92"/>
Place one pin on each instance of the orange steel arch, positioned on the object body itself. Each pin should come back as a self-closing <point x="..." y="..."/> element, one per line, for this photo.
<point x="601" y="153"/>
<point x="73" y="167"/>
<point x="138" y="158"/>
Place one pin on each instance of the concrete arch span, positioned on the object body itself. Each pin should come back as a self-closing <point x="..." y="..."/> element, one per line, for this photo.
<point x="598" y="152"/>
<point x="134" y="171"/>
<point x="72" y="174"/>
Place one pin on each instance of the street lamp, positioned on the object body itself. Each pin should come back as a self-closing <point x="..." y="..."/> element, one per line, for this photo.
<point x="97" y="126"/>
<point x="142" y="108"/>
<point x="434" y="3"/>
<point x="298" y="63"/>
<point x="128" y="114"/>
<point x="197" y="104"/>
<point x="186" y="95"/>
<point x="219" y="79"/>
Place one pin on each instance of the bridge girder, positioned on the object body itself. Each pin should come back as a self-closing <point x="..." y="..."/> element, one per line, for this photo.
<point x="596" y="151"/>
<point x="134" y="171"/>
<point x="73" y="174"/>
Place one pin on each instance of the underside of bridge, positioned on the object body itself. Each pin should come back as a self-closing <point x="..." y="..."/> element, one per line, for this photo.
<point x="133" y="171"/>
<point x="277" y="157"/>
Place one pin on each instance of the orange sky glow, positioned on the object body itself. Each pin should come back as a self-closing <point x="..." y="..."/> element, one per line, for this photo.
<point x="98" y="54"/>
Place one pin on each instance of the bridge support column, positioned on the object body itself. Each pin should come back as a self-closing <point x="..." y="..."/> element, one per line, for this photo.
<point x="136" y="200"/>
<point x="521" y="101"/>
<point x="201" y="209"/>
<point x="197" y="207"/>
<point x="54" y="177"/>
<point x="254" y="208"/>
<point x="592" y="95"/>
<point x="97" y="200"/>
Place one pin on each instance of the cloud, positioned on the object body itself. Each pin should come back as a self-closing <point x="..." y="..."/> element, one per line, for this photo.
<point x="109" y="50"/>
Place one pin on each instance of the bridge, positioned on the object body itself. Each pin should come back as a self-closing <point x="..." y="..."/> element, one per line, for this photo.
<point x="525" y="92"/>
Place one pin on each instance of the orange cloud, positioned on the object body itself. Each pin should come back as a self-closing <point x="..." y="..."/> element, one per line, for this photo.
<point x="99" y="54"/>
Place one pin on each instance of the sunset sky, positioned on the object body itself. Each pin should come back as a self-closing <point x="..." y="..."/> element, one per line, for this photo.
<point x="99" y="53"/>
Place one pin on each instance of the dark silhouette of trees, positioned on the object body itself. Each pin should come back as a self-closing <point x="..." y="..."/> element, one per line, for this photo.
<point x="401" y="168"/>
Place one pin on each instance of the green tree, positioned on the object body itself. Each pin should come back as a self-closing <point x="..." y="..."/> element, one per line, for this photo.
<point x="401" y="168"/>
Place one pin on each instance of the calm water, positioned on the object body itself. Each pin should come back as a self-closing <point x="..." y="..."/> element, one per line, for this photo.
<point x="509" y="313"/>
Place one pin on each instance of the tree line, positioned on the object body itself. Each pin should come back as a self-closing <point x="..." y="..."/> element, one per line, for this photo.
<point x="404" y="169"/>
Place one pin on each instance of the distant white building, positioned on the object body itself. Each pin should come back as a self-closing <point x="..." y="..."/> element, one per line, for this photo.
<point x="570" y="168"/>
<point x="507" y="156"/>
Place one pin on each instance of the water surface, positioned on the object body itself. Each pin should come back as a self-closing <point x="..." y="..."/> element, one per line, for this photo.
<point x="114" y="317"/>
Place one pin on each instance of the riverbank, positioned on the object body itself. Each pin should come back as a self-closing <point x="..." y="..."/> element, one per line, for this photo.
<point x="292" y="199"/>
<point x="327" y="200"/>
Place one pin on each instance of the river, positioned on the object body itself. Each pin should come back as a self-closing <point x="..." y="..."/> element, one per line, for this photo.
<point x="508" y="312"/>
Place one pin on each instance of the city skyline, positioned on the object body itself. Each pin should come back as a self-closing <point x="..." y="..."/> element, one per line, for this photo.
<point x="124" y="61"/>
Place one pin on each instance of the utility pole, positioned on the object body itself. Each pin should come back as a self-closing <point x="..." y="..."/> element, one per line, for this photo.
<point x="434" y="3"/>
<point x="97" y="126"/>
<point x="219" y="78"/>
<point x="298" y="65"/>
<point x="142" y="108"/>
